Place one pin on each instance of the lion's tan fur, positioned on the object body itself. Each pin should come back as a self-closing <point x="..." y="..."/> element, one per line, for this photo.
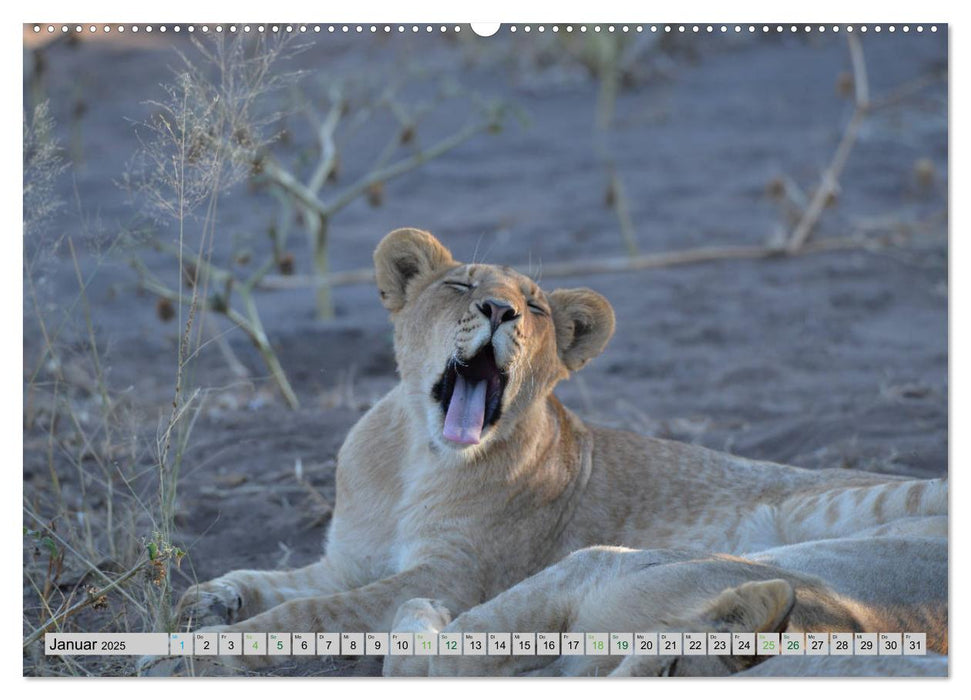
<point x="872" y="584"/>
<point x="417" y="516"/>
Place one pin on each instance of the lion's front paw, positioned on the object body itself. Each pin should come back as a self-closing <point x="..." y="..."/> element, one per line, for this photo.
<point x="421" y="615"/>
<point x="216" y="602"/>
<point x="415" y="615"/>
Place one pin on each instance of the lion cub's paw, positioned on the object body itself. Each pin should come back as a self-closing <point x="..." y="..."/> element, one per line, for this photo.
<point x="216" y="602"/>
<point x="421" y="615"/>
<point x="415" y="615"/>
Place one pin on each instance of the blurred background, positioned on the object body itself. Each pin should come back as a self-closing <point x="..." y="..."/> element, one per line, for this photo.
<point x="766" y="211"/>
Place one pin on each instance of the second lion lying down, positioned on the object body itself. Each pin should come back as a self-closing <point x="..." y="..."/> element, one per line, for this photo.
<point x="470" y="476"/>
<point x="879" y="584"/>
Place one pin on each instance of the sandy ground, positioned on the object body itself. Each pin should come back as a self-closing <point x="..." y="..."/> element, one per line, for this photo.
<point x="830" y="360"/>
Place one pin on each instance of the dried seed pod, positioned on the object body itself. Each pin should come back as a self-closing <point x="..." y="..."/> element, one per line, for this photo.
<point x="335" y="169"/>
<point x="610" y="194"/>
<point x="164" y="309"/>
<point x="924" y="173"/>
<point x="219" y="303"/>
<point x="375" y="194"/>
<point x="189" y="274"/>
<point x="157" y="572"/>
<point x="776" y="187"/>
<point x="196" y="148"/>
<point x="844" y="84"/>
<point x="256" y="165"/>
<point x="40" y="63"/>
<point x="100" y="602"/>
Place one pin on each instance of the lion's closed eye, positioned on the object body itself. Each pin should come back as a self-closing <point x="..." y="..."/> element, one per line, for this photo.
<point x="537" y="309"/>
<point x="458" y="286"/>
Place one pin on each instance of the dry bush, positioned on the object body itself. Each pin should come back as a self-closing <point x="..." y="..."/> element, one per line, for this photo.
<point x="216" y="127"/>
<point x="93" y="550"/>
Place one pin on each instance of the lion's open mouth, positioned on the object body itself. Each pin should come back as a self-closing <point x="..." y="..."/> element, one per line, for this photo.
<point x="471" y="396"/>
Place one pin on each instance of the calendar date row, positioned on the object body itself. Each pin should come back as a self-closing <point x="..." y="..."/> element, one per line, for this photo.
<point x="489" y="643"/>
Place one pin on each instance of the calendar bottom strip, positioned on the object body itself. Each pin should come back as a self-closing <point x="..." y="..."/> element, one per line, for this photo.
<point x="488" y="644"/>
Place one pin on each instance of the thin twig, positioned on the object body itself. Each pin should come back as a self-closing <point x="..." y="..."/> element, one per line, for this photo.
<point x="287" y="182"/>
<point x="77" y="607"/>
<point x="84" y="560"/>
<point x="103" y="393"/>
<point x="829" y="181"/>
<point x="249" y="323"/>
<point x="324" y="507"/>
<point x="258" y="335"/>
<point x="861" y="86"/>
<point x="622" y="264"/>
<point x="621" y="208"/>
<point x="328" y="150"/>
<point x="309" y="200"/>
<point x="907" y="90"/>
<point x="346" y="278"/>
<point x="317" y="214"/>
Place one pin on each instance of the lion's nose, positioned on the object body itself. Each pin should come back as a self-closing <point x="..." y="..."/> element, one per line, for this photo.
<point x="498" y="312"/>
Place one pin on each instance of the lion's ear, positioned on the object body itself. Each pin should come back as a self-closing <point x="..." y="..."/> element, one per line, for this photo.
<point x="584" y="322"/>
<point x="405" y="255"/>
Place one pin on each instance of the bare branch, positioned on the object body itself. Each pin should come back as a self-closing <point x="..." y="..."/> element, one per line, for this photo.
<point x="628" y="264"/>
<point x="308" y="199"/>
<point x="287" y="182"/>
<point x="328" y="150"/>
<point x="249" y="322"/>
<point x="408" y="164"/>
<point x="829" y="181"/>
<point x="621" y="208"/>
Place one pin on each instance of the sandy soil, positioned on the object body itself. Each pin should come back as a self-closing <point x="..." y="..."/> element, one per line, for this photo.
<point x="830" y="360"/>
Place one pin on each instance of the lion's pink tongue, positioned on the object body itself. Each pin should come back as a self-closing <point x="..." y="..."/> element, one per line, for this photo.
<point x="466" y="412"/>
